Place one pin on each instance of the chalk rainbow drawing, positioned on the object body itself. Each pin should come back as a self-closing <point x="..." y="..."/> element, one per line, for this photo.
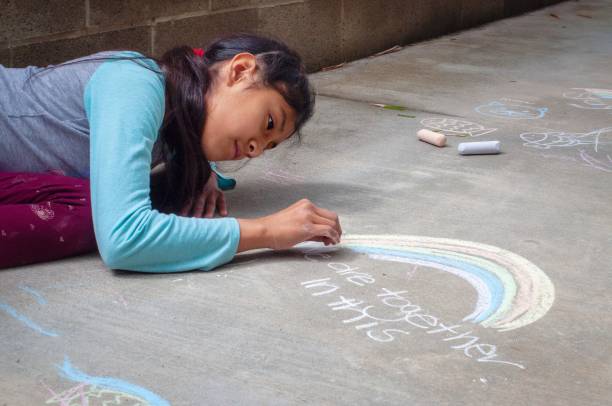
<point x="512" y="291"/>
<point x="102" y="388"/>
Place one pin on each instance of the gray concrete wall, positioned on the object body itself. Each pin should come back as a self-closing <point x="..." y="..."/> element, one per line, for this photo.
<point x="325" y="32"/>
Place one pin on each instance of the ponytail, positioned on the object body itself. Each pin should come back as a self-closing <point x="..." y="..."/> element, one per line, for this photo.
<point x="188" y="76"/>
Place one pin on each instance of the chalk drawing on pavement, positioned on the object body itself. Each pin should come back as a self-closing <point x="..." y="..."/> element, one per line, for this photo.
<point x="594" y="147"/>
<point x="88" y="395"/>
<point x="512" y="109"/>
<point x="511" y="291"/>
<point x="25" y="320"/>
<point x="590" y="99"/>
<point x="452" y="126"/>
<point x="555" y="139"/>
<point x="101" y="390"/>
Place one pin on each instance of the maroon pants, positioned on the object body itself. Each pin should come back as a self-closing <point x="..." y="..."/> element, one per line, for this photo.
<point x="43" y="217"/>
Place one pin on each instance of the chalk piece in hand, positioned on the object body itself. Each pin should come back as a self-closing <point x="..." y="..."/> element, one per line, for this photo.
<point x="479" y="148"/>
<point x="437" y="139"/>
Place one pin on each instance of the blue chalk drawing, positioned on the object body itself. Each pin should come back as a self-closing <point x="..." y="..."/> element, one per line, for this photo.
<point x="39" y="298"/>
<point x="515" y="110"/>
<point x="591" y="99"/>
<point x="113" y="384"/>
<point x="11" y="311"/>
<point x="493" y="283"/>
<point x="603" y="94"/>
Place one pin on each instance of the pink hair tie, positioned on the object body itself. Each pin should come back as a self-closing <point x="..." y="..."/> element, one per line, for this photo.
<point x="199" y="52"/>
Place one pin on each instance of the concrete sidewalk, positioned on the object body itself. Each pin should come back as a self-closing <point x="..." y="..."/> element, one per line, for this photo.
<point x="461" y="280"/>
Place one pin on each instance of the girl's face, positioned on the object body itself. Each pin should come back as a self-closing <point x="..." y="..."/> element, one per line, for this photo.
<point x="243" y="120"/>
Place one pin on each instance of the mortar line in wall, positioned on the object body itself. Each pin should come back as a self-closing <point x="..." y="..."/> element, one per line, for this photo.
<point x="87" y="17"/>
<point x="201" y="13"/>
<point x="342" y="53"/>
<point x="258" y="22"/>
<point x="152" y="37"/>
<point x="68" y="35"/>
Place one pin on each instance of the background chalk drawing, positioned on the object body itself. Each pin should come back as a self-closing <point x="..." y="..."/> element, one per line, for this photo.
<point x="108" y="386"/>
<point x="591" y="99"/>
<point x="452" y="126"/>
<point x="283" y="177"/>
<point x="601" y="164"/>
<point x="513" y="109"/>
<point x="91" y="395"/>
<point x="594" y="147"/>
<point x="26" y="321"/>
<point x="551" y="139"/>
<point x="512" y="291"/>
<point x="37" y="295"/>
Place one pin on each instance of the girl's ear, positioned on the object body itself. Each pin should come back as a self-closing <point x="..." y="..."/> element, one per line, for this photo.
<point x="243" y="66"/>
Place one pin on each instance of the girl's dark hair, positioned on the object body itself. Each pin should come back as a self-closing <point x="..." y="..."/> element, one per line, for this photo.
<point x="188" y="77"/>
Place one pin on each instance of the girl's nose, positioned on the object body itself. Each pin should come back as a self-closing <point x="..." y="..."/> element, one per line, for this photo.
<point x="254" y="149"/>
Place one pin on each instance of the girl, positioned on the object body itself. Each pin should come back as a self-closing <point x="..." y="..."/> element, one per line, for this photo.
<point x="79" y="140"/>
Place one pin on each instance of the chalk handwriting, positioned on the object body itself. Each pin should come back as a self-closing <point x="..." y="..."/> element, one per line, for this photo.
<point x="393" y="315"/>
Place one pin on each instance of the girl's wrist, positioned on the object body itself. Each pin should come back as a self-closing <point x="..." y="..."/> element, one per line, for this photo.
<point x="253" y="234"/>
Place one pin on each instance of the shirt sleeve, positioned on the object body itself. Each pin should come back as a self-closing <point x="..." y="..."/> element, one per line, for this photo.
<point x="124" y="103"/>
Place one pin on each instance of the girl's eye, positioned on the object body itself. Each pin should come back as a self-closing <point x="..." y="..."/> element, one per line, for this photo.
<point x="270" y="122"/>
<point x="272" y="145"/>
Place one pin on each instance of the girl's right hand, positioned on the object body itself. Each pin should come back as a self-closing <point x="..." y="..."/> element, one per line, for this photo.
<point x="302" y="221"/>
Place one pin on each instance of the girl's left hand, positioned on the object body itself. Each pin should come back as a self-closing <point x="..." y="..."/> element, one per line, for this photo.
<point x="210" y="198"/>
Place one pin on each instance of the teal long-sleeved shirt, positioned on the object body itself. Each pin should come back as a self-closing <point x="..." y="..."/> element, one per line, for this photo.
<point x="124" y="103"/>
<point x="117" y="117"/>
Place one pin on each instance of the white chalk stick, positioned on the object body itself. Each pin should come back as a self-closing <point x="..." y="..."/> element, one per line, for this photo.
<point x="479" y="148"/>
<point x="437" y="139"/>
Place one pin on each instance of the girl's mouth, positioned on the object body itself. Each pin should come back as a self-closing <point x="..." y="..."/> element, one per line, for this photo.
<point x="237" y="150"/>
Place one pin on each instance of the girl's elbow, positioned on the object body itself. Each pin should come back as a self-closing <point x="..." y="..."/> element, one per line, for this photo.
<point x="118" y="249"/>
<point x="112" y="258"/>
<point x="113" y="253"/>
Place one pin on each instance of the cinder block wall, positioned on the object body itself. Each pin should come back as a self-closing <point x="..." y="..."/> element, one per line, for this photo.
<point x="325" y="32"/>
